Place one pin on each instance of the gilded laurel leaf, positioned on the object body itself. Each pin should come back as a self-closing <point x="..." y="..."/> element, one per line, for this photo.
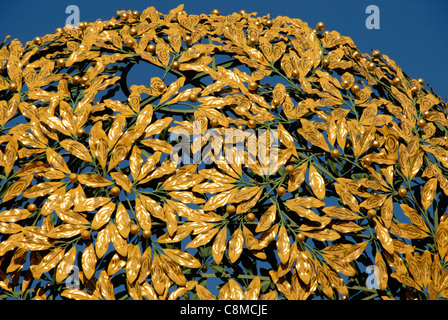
<point x="202" y="238"/>
<point x="103" y="216"/>
<point x="50" y="260"/>
<point x="77" y="149"/>
<point x="88" y="261"/>
<point x="247" y="205"/>
<point x="442" y="238"/>
<point x="219" y="200"/>
<point x="340" y="213"/>
<point x="119" y="243"/>
<point x="244" y="106"/>
<point x="145" y="265"/>
<point x="117" y="262"/>
<point x="91" y="204"/>
<point x="219" y="245"/>
<point x="408" y="231"/>
<point x="317" y="183"/>
<point x="42" y="189"/>
<point x="57" y="161"/>
<point x="72" y="217"/>
<point x="384" y="237"/>
<point x="66" y="265"/>
<point x="77" y="294"/>
<point x="266" y="219"/>
<point x="283" y="245"/>
<point x="253" y="289"/>
<point x="93" y="181"/>
<point x="415" y="218"/>
<point x="170" y="219"/>
<point x="297" y="178"/>
<point x="173" y="271"/>
<point x="203" y="293"/>
<point x="142" y="215"/>
<point x="243" y="194"/>
<point x="135" y="162"/>
<point x="122" y="180"/>
<point x="387" y="212"/>
<point x="102" y="242"/>
<point x="182" y="258"/>
<point x="105" y="286"/>
<point x="65" y="231"/>
<point x="122" y="221"/>
<point x="428" y="192"/>
<point x="17" y="188"/>
<point x="235" y="245"/>
<point x="133" y="263"/>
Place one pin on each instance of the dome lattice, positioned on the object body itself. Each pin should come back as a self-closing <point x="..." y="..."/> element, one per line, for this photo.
<point x="260" y="159"/>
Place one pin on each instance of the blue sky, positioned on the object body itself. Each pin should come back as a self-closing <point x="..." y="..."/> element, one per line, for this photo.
<point x="413" y="33"/>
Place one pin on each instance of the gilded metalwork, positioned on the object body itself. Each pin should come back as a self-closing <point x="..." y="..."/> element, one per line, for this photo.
<point x="89" y="180"/>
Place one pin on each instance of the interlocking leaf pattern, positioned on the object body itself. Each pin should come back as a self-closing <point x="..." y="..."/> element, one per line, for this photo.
<point x="92" y="175"/>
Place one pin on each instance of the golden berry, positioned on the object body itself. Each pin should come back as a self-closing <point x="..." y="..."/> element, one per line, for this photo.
<point x="335" y="153"/>
<point x="80" y="132"/>
<point x="376" y="53"/>
<point x="355" y="88"/>
<point x="345" y="83"/>
<point x="135" y="229"/>
<point x="13" y="86"/>
<point x="115" y="191"/>
<point x="135" y="14"/>
<point x="31" y="207"/>
<point x="37" y="41"/>
<point x="371" y="213"/>
<point x="402" y="192"/>
<point x="151" y="48"/>
<point x="295" y="73"/>
<point x="320" y="26"/>
<point x="231" y="209"/>
<point x="73" y="177"/>
<point x="60" y="63"/>
<point x="289" y="168"/>
<point x="85" y="235"/>
<point x="124" y="16"/>
<point x="371" y="66"/>
<point x="193" y="97"/>
<point x="300" y="237"/>
<point x="375" y="144"/>
<point x="250" y="217"/>
<point x="214" y="122"/>
<point x="421" y="123"/>
<point x="253" y="86"/>
<point x="367" y="160"/>
<point x="281" y="191"/>
<point x="397" y="81"/>
<point x="146" y="234"/>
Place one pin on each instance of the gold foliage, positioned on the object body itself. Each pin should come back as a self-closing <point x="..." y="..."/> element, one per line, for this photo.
<point x="337" y="163"/>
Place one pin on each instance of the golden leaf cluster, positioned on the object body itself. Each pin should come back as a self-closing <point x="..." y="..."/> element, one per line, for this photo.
<point x="88" y="179"/>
